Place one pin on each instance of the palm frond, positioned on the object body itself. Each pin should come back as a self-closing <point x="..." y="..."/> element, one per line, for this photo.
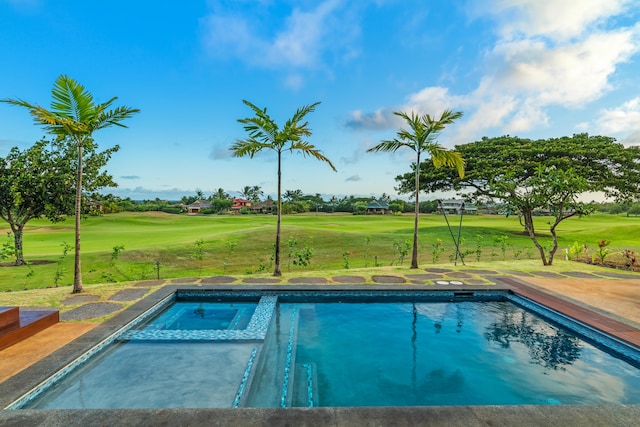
<point x="72" y="100"/>
<point x="58" y="125"/>
<point x="260" y="129"/>
<point x="105" y="118"/>
<point x="440" y="156"/>
<point x="307" y="149"/>
<point x="300" y="113"/>
<point x="247" y="147"/>
<point x="390" y="146"/>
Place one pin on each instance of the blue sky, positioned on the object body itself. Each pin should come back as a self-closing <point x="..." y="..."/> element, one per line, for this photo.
<point x="531" y="68"/>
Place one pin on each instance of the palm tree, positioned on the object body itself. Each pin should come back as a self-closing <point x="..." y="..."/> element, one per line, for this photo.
<point x="246" y="192"/>
<point x="265" y="134"/>
<point x="220" y="194"/>
<point x="74" y="116"/>
<point x="422" y="138"/>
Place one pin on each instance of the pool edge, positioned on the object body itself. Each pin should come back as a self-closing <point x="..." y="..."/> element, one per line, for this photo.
<point x="24" y="381"/>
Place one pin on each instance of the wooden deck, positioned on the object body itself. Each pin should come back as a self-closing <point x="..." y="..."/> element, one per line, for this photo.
<point x="17" y="325"/>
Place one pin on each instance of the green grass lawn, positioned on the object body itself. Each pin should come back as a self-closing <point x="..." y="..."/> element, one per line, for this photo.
<point x="243" y="244"/>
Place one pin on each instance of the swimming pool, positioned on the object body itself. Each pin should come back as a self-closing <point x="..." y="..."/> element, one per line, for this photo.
<point x="347" y="348"/>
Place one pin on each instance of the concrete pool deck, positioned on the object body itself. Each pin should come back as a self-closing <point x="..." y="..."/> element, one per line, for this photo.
<point x="610" y="301"/>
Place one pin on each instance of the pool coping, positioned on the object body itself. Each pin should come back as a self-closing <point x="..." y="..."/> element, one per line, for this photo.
<point x="568" y="415"/>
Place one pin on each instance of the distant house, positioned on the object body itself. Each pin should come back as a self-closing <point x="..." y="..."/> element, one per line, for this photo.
<point x="378" y="207"/>
<point x="238" y="204"/>
<point x="197" y="207"/>
<point x="454" y="206"/>
<point x="95" y="207"/>
<point x="266" y="207"/>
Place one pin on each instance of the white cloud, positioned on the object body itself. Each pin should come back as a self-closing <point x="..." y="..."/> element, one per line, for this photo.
<point x="625" y="118"/>
<point x="569" y="74"/>
<point x="379" y="119"/>
<point x="306" y="40"/>
<point x="559" y="20"/>
<point x="548" y="54"/>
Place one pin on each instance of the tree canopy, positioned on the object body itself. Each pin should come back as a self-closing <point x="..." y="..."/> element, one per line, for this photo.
<point x="40" y="181"/>
<point x="549" y="175"/>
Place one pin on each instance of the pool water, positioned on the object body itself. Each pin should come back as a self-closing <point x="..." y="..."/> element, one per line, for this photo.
<point x="466" y="353"/>
<point x="283" y="351"/>
<point x="204" y="315"/>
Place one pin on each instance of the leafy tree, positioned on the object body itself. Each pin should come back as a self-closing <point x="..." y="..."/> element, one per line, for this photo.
<point x="553" y="189"/>
<point x="293" y="195"/>
<point x="40" y="181"/>
<point x="522" y="173"/>
<point x="33" y="183"/>
<point x="75" y="116"/>
<point x="187" y="200"/>
<point x="265" y="134"/>
<point x="422" y="138"/>
<point x="252" y="193"/>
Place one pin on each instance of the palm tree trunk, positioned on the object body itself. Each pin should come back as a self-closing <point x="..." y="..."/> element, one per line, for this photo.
<point x="77" y="274"/>
<point x="276" y="271"/>
<point x="414" y="254"/>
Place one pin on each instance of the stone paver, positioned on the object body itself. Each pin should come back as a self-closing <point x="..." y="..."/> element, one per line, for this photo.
<point x="580" y="274"/>
<point x="481" y="272"/>
<point x="438" y="270"/>
<point x="218" y="279"/>
<point x="348" y="279"/>
<point x="517" y="273"/>
<point x="79" y="299"/>
<point x="548" y="274"/>
<point x="148" y="283"/>
<point x="388" y="279"/>
<point x="459" y="275"/>
<point x="426" y="276"/>
<point x="258" y="280"/>
<point x="619" y="275"/>
<point x="185" y="280"/>
<point x="90" y="311"/>
<point x="308" y="280"/>
<point x="129" y="294"/>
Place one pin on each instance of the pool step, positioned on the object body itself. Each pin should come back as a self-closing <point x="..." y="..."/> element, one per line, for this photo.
<point x="17" y="325"/>
<point x="305" y="393"/>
